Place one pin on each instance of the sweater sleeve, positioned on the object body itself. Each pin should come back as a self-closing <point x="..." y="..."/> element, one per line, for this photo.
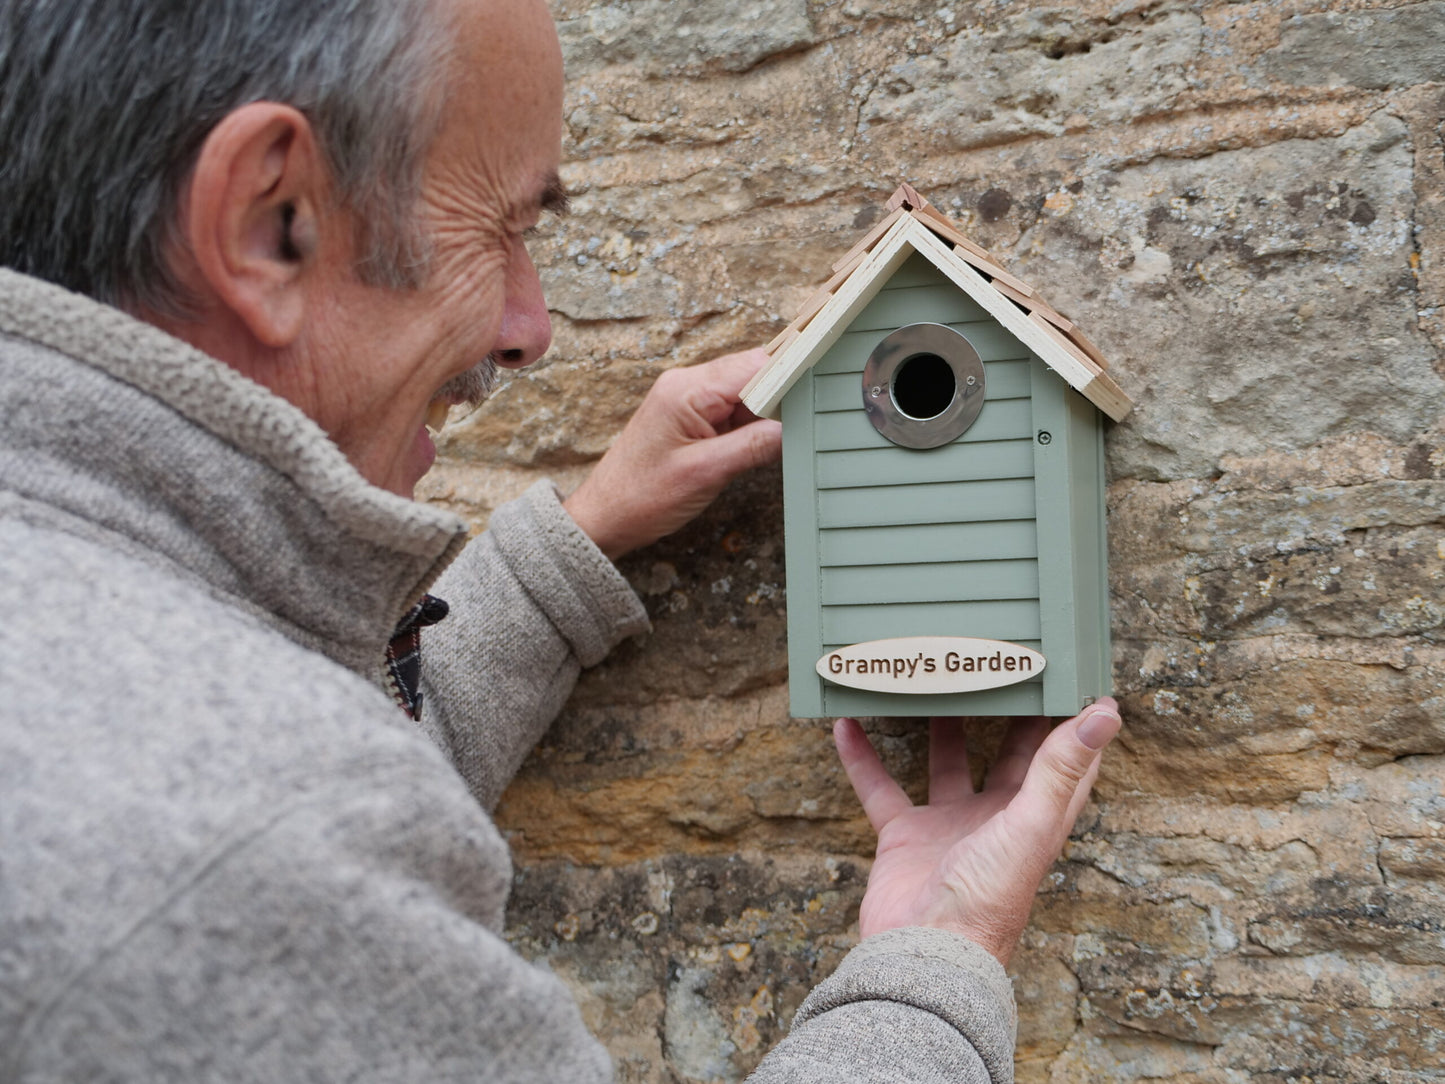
<point x="911" y="1006"/>
<point x="533" y="601"/>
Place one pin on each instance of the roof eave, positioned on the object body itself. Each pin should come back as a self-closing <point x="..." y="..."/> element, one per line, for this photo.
<point x="765" y="392"/>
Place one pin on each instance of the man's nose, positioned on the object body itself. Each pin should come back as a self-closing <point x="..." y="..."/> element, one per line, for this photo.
<point x="526" y="325"/>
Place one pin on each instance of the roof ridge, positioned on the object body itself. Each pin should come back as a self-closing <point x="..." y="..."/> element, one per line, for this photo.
<point x="907" y="202"/>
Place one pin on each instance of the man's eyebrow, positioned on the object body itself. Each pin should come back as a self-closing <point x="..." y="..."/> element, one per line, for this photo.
<point x="555" y="199"/>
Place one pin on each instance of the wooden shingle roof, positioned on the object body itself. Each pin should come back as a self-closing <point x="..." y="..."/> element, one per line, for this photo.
<point x="914" y="225"/>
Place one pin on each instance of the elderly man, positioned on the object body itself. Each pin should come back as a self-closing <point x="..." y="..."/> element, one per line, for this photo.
<point x="253" y="245"/>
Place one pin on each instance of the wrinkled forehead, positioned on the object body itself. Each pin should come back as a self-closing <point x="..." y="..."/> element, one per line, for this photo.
<point x="502" y="113"/>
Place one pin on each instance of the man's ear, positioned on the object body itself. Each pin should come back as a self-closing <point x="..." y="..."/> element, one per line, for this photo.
<point x="252" y="217"/>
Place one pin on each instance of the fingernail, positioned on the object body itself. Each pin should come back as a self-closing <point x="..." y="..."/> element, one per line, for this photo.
<point x="1098" y="728"/>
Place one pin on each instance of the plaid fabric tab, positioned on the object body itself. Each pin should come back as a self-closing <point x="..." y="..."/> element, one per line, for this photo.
<point x="403" y="654"/>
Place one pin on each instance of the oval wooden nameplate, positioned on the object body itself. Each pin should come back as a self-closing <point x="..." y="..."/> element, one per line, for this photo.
<point x="931" y="664"/>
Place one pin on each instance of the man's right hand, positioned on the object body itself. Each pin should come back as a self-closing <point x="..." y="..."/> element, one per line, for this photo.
<point x="688" y="439"/>
<point x="972" y="862"/>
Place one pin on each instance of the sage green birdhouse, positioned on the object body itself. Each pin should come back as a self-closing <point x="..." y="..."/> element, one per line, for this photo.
<point x="943" y="465"/>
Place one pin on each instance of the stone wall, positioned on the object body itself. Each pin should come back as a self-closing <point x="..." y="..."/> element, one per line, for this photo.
<point x="1244" y="205"/>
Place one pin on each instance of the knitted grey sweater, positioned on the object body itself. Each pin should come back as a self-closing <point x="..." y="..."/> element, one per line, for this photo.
<point x="225" y="854"/>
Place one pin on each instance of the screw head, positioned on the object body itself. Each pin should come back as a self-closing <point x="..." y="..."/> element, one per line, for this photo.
<point x="1045" y="437"/>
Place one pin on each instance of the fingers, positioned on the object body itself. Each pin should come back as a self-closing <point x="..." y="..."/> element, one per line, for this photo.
<point x="882" y="799"/>
<point x="729" y="373"/>
<point x="1063" y="770"/>
<point x="741" y="415"/>
<point x="700" y="402"/>
<point x="729" y="454"/>
<point x="712" y="389"/>
<point x="949" y="779"/>
<point x="1016" y="753"/>
<point x="684" y="444"/>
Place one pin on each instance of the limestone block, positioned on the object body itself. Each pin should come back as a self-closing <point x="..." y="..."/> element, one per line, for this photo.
<point x="1256" y="299"/>
<point x="1413" y="860"/>
<point x="663" y="36"/>
<point x="1047" y="992"/>
<point x="716" y="595"/>
<point x="714" y="971"/>
<point x="1039" y="73"/>
<point x="555" y="414"/>
<point x="1373" y="47"/>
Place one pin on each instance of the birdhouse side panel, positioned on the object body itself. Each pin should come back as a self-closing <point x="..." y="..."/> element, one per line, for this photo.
<point x="1069" y="473"/>
<point x="908" y="542"/>
<point x="1091" y="546"/>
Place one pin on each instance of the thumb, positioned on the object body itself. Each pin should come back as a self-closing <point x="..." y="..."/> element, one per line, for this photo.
<point x="1063" y="771"/>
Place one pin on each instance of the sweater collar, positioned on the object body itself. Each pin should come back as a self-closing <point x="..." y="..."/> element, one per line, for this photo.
<point x="118" y="427"/>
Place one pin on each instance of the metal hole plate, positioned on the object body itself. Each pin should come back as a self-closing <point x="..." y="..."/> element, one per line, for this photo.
<point x="891" y="355"/>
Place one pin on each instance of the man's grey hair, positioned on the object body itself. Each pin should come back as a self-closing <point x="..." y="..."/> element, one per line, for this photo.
<point x="104" y="106"/>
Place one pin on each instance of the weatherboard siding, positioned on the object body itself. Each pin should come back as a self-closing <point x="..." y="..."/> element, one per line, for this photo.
<point x="887" y="541"/>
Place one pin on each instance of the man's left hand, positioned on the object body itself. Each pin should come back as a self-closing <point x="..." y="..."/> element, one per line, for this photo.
<point x="687" y="440"/>
<point x="972" y="862"/>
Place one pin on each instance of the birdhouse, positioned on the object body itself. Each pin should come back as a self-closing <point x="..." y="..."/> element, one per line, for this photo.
<point x="943" y="465"/>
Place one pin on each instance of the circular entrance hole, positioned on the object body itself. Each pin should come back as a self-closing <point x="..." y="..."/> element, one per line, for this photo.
<point x="924" y="386"/>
